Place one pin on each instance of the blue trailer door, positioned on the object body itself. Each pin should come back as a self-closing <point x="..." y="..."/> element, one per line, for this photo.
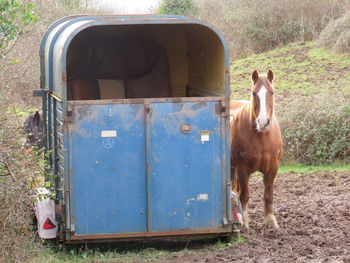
<point x="146" y="168"/>
<point x="185" y="166"/>
<point x="108" y="169"/>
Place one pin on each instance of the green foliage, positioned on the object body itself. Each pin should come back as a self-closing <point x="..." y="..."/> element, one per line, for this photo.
<point x="300" y="69"/>
<point x="336" y="35"/>
<point x="257" y="26"/>
<point x="71" y="3"/>
<point x="15" y="16"/>
<point x="316" y="130"/>
<point x="21" y="176"/>
<point x="177" y="7"/>
<point x="301" y="168"/>
<point x="116" y="253"/>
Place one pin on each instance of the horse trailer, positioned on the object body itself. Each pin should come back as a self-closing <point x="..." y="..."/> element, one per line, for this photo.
<point x="136" y="112"/>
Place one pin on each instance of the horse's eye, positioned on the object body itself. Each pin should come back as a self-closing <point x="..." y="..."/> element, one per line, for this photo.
<point x="254" y="93"/>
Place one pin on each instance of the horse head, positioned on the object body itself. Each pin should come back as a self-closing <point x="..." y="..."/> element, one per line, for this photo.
<point x="262" y="100"/>
<point x="34" y="128"/>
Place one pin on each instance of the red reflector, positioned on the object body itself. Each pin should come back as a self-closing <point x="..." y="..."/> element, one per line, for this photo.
<point x="48" y="224"/>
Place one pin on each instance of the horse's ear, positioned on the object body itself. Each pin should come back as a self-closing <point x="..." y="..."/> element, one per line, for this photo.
<point x="255" y="76"/>
<point x="270" y="75"/>
<point x="37" y="117"/>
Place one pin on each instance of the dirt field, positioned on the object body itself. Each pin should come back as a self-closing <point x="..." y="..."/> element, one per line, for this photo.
<point x="313" y="211"/>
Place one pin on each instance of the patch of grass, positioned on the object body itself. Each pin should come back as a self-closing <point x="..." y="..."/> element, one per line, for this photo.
<point x="300" y="168"/>
<point x="221" y="244"/>
<point x="322" y="55"/>
<point x="125" y="252"/>
<point x="97" y="255"/>
<point x="240" y="239"/>
<point x="128" y="253"/>
<point x="300" y="69"/>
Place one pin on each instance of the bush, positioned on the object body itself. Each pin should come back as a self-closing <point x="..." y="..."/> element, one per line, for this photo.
<point x="16" y="15"/>
<point x="177" y="7"/>
<point x="20" y="70"/>
<point x="336" y="35"/>
<point x="16" y="172"/>
<point x="21" y="171"/>
<point x="20" y="174"/>
<point x="316" y="130"/>
<point x="257" y="26"/>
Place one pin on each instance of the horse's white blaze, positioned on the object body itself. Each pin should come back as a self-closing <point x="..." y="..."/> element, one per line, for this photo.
<point x="262" y="119"/>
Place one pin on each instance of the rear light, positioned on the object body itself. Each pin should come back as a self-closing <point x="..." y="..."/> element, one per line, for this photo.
<point x="48" y="224"/>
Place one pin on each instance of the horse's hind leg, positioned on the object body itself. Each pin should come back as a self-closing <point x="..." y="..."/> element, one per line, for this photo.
<point x="234" y="180"/>
<point x="243" y="178"/>
<point x="270" y="220"/>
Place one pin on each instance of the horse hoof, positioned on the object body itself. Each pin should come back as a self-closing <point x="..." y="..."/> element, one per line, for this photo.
<point x="271" y="226"/>
<point x="271" y="222"/>
<point x="245" y="219"/>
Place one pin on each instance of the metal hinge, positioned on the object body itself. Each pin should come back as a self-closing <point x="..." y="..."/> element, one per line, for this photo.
<point x="68" y="118"/>
<point x="147" y="108"/>
<point x="39" y="92"/>
<point x="224" y="110"/>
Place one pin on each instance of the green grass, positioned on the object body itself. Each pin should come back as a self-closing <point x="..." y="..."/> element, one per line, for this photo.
<point x="126" y="254"/>
<point x="301" y="69"/>
<point x="300" y="168"/>
<point x="222" y="244"/>
<point x="96" y="255"/>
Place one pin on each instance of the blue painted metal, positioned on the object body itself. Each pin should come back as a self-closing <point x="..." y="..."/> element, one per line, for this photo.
<point x="185" y="166"/>
<point x="108" y="167"/>
<point x="112" y="188"/>
<point x="125" y="174"/>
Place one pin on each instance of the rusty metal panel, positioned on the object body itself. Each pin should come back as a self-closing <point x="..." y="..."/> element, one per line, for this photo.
<point x="154" y="235"/>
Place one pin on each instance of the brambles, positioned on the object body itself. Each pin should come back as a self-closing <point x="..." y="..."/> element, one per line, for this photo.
<point x="336" y="35"/>
<point x="316" y="130"/>
<point x="255" y="26"/>
<point x="177" y="7"/>
<point x="19" y="176"/>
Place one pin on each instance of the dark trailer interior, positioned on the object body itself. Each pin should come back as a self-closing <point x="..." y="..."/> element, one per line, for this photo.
<point x="145" y="61"/>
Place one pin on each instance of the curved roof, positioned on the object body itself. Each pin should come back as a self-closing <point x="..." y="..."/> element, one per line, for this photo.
<point x="55" y="42"/>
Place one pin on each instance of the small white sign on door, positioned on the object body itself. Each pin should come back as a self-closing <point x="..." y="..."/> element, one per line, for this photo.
<point x="108" y="133"/>
<point x="205" y="138"/>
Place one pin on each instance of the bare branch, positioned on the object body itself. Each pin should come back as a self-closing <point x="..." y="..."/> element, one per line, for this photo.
<point x="10" y="172"/>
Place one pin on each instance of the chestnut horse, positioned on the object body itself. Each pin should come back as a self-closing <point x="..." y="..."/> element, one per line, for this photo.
<point x="256" y="144"/>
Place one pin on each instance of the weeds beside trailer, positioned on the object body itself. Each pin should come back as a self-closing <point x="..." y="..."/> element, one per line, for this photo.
<point x="137" y="123"/>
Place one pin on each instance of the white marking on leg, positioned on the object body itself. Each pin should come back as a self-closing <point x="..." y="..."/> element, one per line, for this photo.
<point x="245" y="218"/>
<point x="270" y="221"/>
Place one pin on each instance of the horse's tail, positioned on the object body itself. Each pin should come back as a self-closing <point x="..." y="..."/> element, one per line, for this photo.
<point x="234" y="180"/>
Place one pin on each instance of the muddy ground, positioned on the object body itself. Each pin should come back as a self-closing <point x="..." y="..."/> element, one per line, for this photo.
<point x="313" y="212"/>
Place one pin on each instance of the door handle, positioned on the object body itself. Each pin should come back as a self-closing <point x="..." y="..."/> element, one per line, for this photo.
<point x="185" y="128"/>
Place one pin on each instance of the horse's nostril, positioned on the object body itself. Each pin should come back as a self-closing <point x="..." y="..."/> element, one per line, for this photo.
<point x="268" y="122"/>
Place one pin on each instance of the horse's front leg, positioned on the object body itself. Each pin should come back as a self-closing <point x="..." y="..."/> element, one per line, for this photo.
<point x="269" y="178"/>
<point x="243" y="179"/>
